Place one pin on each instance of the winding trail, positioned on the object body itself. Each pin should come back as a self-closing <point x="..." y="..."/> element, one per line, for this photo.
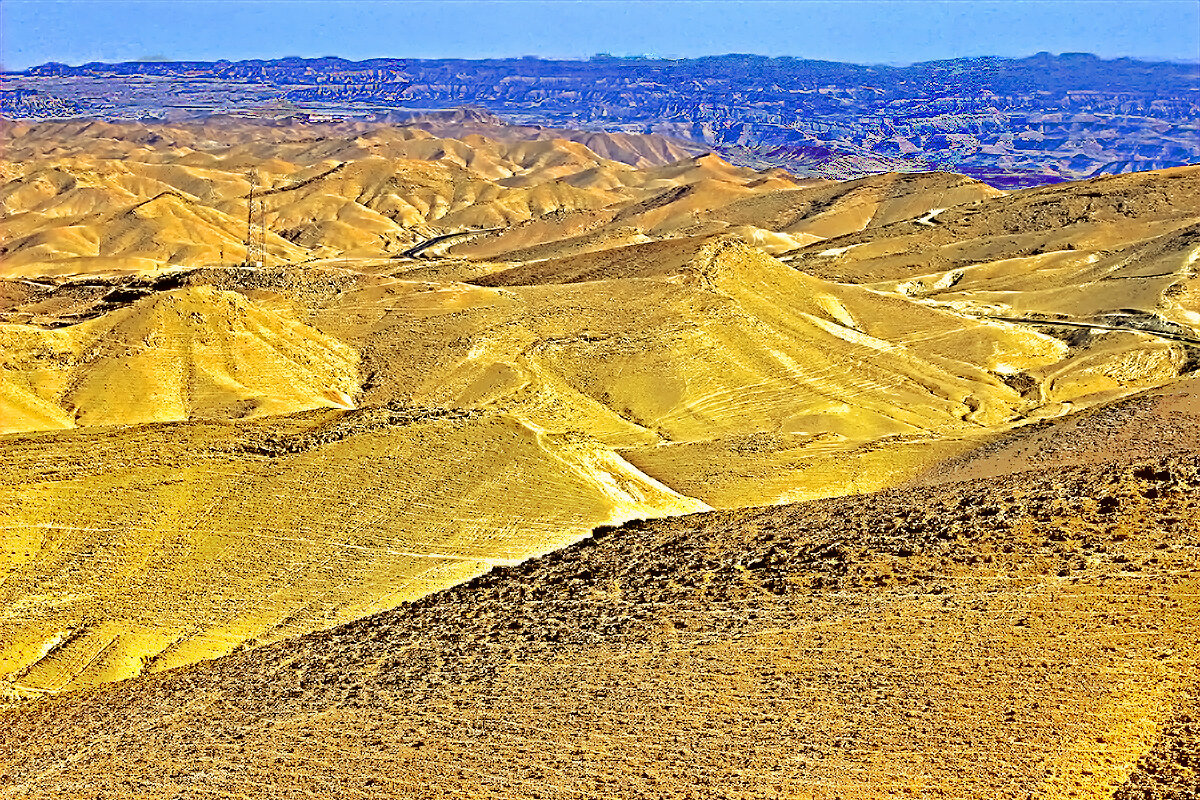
<point x="421" y="247"/>
<point x="1176" y="337"/>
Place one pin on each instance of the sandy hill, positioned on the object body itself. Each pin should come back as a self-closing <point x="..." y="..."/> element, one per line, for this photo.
<point x="101" y="199"/>
<point x="98" y="198"/>
<point x="714" y="375"/>
<point x="165" y="544"/>
<point x="722" y="377"/>
<point x="635" y="149"/>
<point x="184" y="354"/>
<point x="1010" y="637"/>
<point x="1121" y="243"/>
<point x="381" y="194"/>
<point x="859" y="365"/>
<point x="108" y="139"/>
<point x="1149" y="424"/>
<point x="696" y="357"/>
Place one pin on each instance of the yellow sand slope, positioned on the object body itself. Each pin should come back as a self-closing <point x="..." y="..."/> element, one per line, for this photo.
<point x="145" y="549"/>
<point x="184" y="354"/>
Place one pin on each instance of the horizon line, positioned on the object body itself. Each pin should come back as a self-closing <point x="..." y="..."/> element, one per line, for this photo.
<point x="610" y="57"/>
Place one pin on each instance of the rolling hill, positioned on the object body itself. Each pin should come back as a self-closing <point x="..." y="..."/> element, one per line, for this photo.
<point x="905" y="467"/>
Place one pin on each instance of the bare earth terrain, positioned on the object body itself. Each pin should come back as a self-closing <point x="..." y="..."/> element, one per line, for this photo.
<point x="1025" y="636"/>
<point x="516" y="463"/>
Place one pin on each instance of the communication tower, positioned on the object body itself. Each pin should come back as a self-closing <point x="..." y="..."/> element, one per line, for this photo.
<point x="256" y="227"/>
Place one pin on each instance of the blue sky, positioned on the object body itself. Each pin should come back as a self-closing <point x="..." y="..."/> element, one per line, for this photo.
<point x="863" y="31"/>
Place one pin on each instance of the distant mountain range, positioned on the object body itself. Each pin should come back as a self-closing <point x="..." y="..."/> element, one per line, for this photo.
<point x="1011" y="122"/>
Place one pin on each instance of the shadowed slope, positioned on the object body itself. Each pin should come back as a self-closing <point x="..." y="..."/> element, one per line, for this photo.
<point x="1146" y="425"/>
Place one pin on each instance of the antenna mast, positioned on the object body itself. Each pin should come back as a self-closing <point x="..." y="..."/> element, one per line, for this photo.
<point x="256" y="234"/>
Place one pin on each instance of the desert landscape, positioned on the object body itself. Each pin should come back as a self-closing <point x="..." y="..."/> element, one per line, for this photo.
<point x="1014" y="122"/>
<point x="459" y="457"/>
